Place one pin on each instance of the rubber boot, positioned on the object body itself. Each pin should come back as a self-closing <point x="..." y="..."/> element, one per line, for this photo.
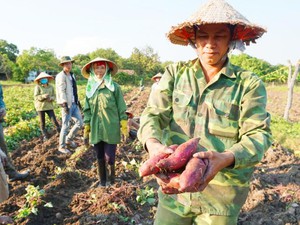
<point x="112" y="174"/>
<point x="44" y="132"/>
<point x="101" y="173"/>
<point x="15" y="175"/>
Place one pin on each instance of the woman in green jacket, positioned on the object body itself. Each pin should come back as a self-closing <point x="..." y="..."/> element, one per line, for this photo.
<point x="44" y="96"/>
<point x="104" y="114"/>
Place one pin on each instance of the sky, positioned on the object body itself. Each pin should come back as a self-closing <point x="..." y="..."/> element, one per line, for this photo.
<point x="71" y="27"/>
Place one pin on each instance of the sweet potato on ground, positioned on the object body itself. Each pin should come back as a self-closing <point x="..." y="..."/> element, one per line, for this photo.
<point x="190" y="179"/>
<point x="180" y="157"/>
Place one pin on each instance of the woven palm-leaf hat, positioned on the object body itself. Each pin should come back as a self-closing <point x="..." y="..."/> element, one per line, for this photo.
<point x="159" y="75"/>
<point x="85" y="71"/>
<point x="215" y="12"/>
<point x="43" y="75"/>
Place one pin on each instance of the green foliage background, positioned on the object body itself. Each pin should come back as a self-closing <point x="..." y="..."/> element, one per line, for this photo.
<point x="144" y="62"/>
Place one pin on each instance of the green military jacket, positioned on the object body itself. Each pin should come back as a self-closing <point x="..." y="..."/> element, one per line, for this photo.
<point x="104" y="111"/>
<point x="228" y="114"/>
<point x="41" y="102"/>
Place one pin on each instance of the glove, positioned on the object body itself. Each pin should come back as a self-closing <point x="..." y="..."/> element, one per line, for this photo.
<point x="86" y="135"/>
<point x="66" y="108"/>
<point x="124" y="129"/>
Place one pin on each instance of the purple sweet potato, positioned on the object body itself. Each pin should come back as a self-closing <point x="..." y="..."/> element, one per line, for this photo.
<point x="180" y="157"/>
<point x="169" y="182"/>
<point x="149" y="166"/>
<point x="190" y="178"/>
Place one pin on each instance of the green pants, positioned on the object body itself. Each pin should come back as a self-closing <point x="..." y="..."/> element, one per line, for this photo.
<point x="174" y="213"/>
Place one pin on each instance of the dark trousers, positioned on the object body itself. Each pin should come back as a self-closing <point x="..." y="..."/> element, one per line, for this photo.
<point x="42" y="118"/>
<point x="106" y="151"/>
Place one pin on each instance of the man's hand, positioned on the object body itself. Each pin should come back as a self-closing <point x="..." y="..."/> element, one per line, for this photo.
<point x="154" y="147"/>
<point x="216" y="162"/>
<point x="51" y="99"/>
<point x="46" y="96"/>
<point x="65" y="107"/>
<point x="2" y="113"/>
<point x="3" y="157"/>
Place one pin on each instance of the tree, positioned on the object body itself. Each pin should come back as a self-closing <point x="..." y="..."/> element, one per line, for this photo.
<point x="9" y="49"/>
<point x="81" y="60"/>
<point x="37" y="60"/>
<point x="6" y="66"/>
<point x="109" y="54"/>
<point x="145" y="61"/>
<point x="255" y="65"/>
<point x="291" y="82"/>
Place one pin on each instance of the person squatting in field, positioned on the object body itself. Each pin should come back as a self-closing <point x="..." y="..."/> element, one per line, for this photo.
<point x="105" y="116"/>
<point x="132" y="125"/>
<point x="222" y="104"/>
<point x="44" y="96"/>
<point x="4" y="193"/>
<point x="9" y="167"/>
<point x="67" y="98"/>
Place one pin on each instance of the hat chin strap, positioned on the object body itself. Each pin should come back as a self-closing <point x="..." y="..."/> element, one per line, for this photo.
<point x="191" y="43"/>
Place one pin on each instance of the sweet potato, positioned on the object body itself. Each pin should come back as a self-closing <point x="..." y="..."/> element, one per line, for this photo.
<point x="190" y="178"/>
<point x="149" y="166"/>
<point x="169" y="183"/>
<point x="170" y="190"/>
<point x="180" y="157"/>
<point x="169" y="178"/>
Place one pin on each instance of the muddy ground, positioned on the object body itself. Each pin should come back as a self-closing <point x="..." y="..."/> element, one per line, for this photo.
<point x="68" y="182"/>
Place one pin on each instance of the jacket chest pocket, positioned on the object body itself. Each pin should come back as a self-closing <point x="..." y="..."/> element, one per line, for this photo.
<point x="223" y="119"/>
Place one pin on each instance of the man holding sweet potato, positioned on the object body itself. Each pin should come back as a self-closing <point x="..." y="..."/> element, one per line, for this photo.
<point x="222" y="104"/>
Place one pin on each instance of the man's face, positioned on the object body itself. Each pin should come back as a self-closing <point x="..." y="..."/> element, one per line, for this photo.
<point x="212" y="42"/>
<point x="67" y="67"/>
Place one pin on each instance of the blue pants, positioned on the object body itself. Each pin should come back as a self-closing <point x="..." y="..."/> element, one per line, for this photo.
<point x="74" y="114"/>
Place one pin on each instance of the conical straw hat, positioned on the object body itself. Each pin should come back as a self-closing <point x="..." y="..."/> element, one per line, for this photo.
<point x="85" y="69"/>
<point x="215" y="12"/>
<point x="159" y="75"/>
<point x="43" y="75"/>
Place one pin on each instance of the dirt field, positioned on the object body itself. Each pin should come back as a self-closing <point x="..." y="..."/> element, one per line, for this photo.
<point x="274" y="198"/>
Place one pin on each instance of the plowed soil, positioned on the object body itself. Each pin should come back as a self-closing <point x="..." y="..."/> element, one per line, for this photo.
<point x="70" y="182"/>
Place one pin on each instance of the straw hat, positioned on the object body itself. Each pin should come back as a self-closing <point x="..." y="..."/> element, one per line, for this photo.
<point x="85" y="71"/>
<point x="159" y="75"/>
<point x="43" y="75"/>
<point x="66" y="59"/>
<point x="215" y="12"/>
